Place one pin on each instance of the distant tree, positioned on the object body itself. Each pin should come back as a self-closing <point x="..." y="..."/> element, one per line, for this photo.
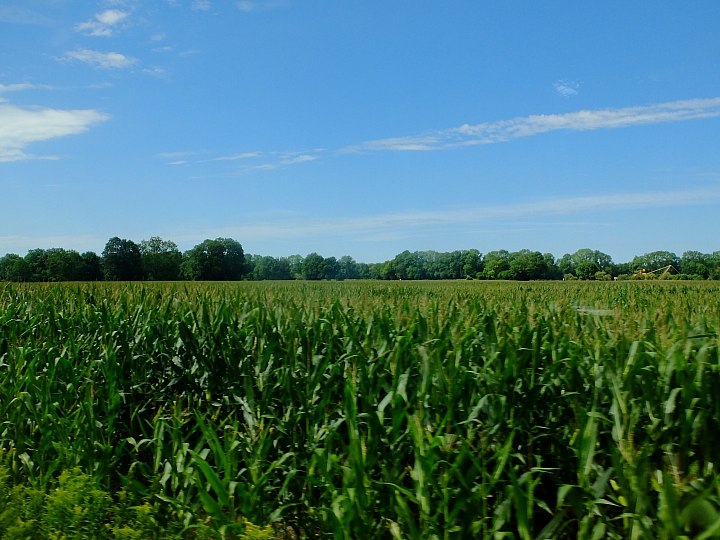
<point x="348" y="268"/>
<point x="330" y="268"/>
<point x="122" y="260"/>
<point x="602" y="276"/>
<point x="553" y="271"/>
<point x="694" y="262"/>
<point x="586" y="269"/>
<point x="5" y="262"/>
<point x="363" y="270"/>
<point x="62" y="265"/>
<point x="221" y="259"/>
<point x="91" y="268"/>
<point x="494" y="264"/>
<point x="566" y="265"/>
<point x="654" y="260"/>
<point x="602" y="260"/>
<point x="37" y="264"/>
<point x="526" y="265"/>
<point x="266" y="268"/>
<point x="296" y="263"/>
<point x="375" y="270"/>
<point x="14" y="268"/>
<point x="161" y="259"/>
<point x="619" y="269"/>
<point x="313" y="267"/>
<point x="472" y="263"/>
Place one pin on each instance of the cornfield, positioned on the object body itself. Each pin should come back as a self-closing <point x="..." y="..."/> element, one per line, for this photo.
<point x="372" y="410"/>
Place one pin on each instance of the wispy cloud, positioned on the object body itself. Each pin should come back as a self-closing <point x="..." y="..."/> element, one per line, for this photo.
<point x="298" y="159"/>
<point x="101" y="60"/>
<point x="103" y="23"/>
<point x="413" y="223"/>
<point x="181" y="162"/>
<point x="16" y="15"/>
<point x="565" y="88"/>
<point x="237" y="156"/>
<point x="80" y="243"/>
<point x="247" y="6"/>
<point x="174" y="154"/>
<point x="201" y="5"/>
<point x="23" y="86"/>
<point x="527" y="126"/>
<point x="20" y="127"/>
<point x="155" y="72"/>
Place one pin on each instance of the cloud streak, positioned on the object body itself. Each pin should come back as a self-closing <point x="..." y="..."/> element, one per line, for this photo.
<point x="237" y="156"/>
<point x="408" y="223"/>
<point x="101" y="60"/>
<point x="528" y="126"/>
<point x="20" y="127"/>
<point x="23" y="86"/>
<point x="103" y="23"/>
<point x="201" y="5"/>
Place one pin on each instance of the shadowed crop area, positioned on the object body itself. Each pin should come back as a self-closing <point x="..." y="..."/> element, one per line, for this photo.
<point x="367" y="410"/>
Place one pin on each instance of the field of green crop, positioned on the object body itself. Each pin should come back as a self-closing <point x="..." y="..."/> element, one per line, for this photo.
<point x="446" y="410"/>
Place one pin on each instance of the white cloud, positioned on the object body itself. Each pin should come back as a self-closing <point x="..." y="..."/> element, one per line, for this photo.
<point x="155" y="72"/>
<point x="565" y="88"/>
<point x="21" y="86"/>
<point x="408" y="223"/>
<point x="80" y="243"/>
<point x="181" y="162"/>
<point x="101" y="60"/>
<point x="103" y="23"/>
<point x="237" y="156"/>
<point x="527" y="126"/>
<point x="201" y="5"/>
<point x="20" y="127"/>
<point x="157" y="37"/>
<point x="174" y="154"/>
<point x="247" y="6"/>
<point x="299" y="159"/>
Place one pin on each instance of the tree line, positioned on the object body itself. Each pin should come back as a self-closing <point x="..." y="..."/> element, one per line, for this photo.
<point x="223" y="259"/>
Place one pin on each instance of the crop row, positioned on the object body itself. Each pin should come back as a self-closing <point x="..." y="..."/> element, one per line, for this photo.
<point x="374" y="410"/>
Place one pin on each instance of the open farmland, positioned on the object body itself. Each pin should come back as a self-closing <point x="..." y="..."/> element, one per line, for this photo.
<point x="362" y="410"/>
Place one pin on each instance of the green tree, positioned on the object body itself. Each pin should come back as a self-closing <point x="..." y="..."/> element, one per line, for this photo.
<point x="495" y="263"/>
<point x="37" y="264"/>
<point x="694" y="262"/>
<point x="348" y="268"/>
<point x="161" y="259"/>
<point x="472" y="263"/>
<point x="14" y="268"/>
<point x="5" y="262"/>
<point x="64" y="265"/>
<point x="587" y="269"/>
<point x="654" y="260"/>
<point x="221" y="259"/>
<point x="296" y="262"/>
<point x="331" y="268"/>
<point x="526" y="265"/>
<point x="91" y="268"/>
<point x="312" y="267"/>
<point x="122" y="260"/>
<point x="553" y="271"/>
<point x="267" y="268"/>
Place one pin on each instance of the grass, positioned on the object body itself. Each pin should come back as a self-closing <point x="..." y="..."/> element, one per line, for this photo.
<point x="367" y="410"/>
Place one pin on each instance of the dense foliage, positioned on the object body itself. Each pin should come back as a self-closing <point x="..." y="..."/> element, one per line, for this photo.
<point x="224" y="259"/>
<point x="368" y="409"/>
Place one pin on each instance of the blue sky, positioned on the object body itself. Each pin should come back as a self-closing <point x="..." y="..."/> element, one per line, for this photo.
<point x="362" y="128"/>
